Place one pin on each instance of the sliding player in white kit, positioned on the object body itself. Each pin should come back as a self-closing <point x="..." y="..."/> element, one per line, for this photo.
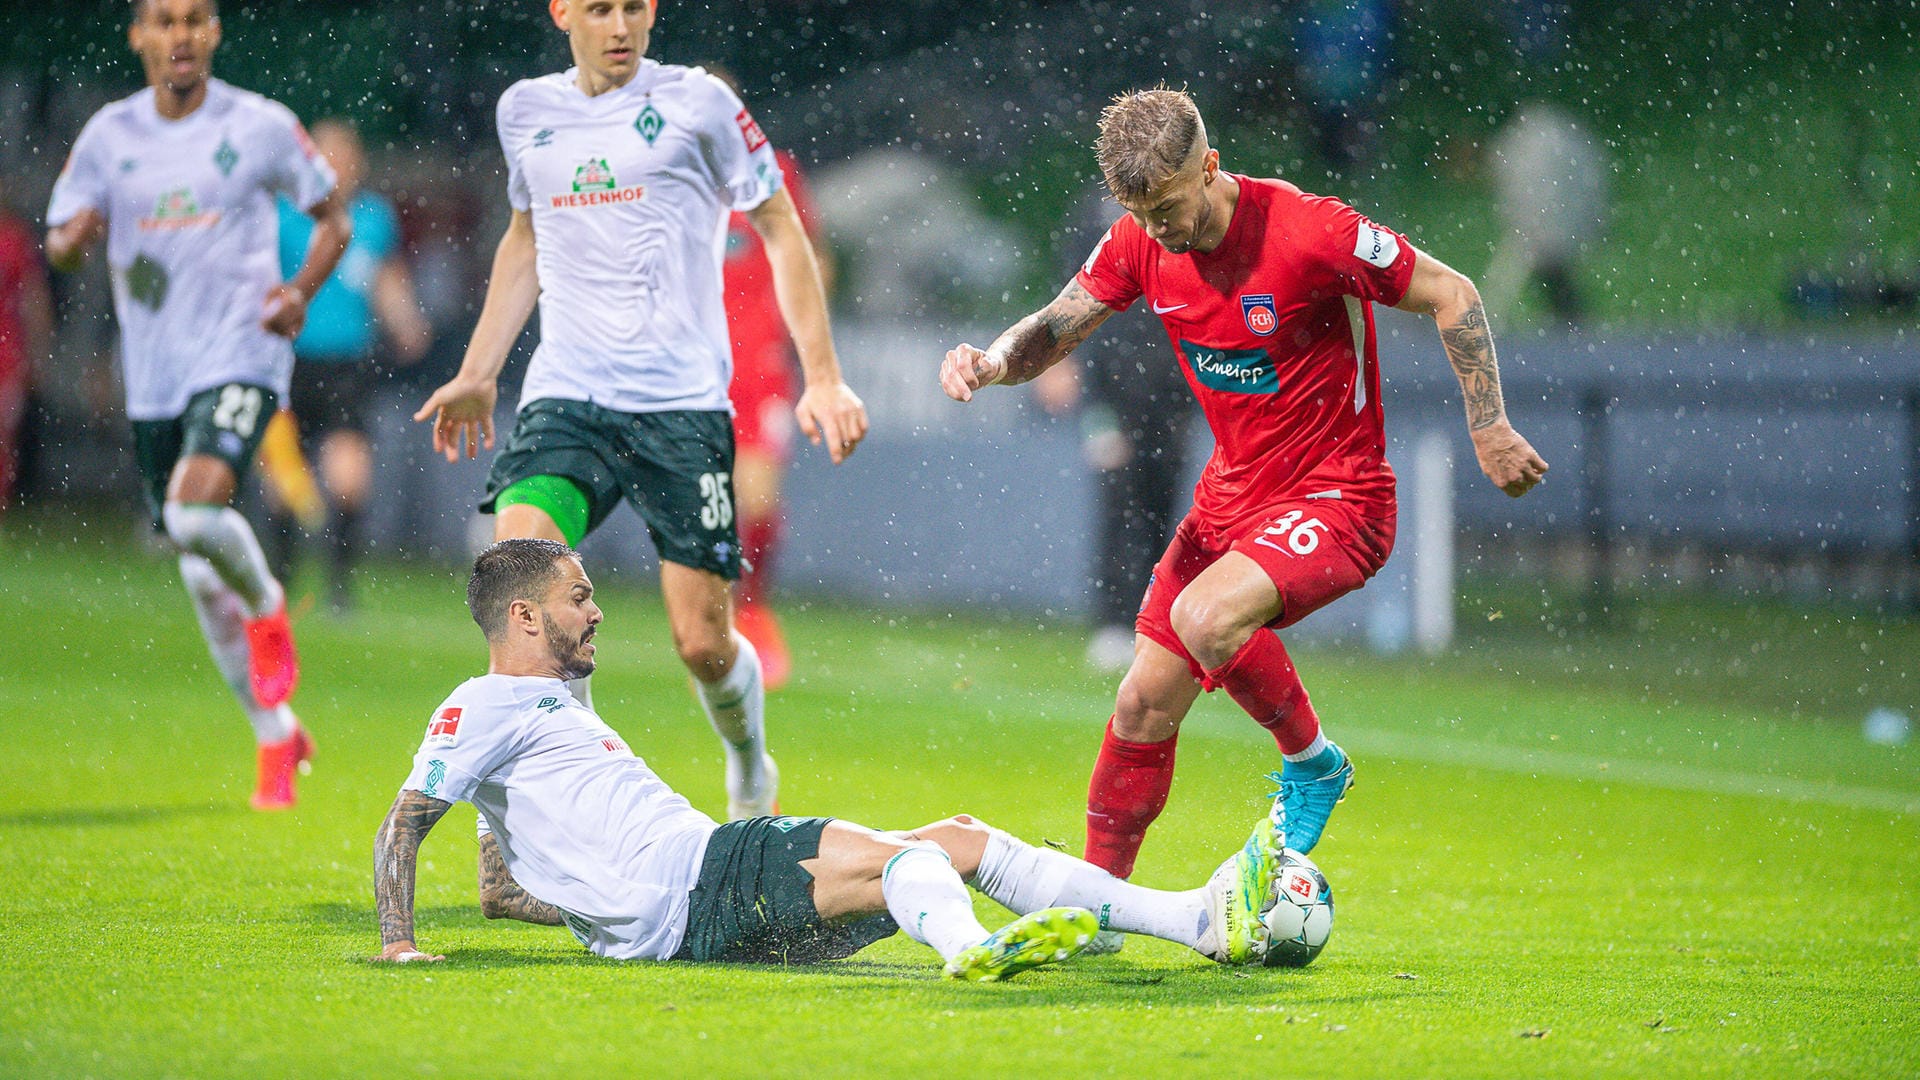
<point x="622" y="173"/>
<point x="578" y="831"/>
<point x="182" y="178"/>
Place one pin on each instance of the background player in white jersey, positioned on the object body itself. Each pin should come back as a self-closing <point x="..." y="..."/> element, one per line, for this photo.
<point x="182" y="178"/>
<point x="621" y="173"/>
<point x="606" y="848"/>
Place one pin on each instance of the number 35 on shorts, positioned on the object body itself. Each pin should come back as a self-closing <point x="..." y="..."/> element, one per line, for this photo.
<point x="716" y="489"/>
<point x="1300" y="537"/>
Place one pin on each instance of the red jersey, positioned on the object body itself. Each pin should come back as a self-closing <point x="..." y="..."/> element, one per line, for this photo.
<point x="19" y="267"/>
<point x="760" y="351"/>
<point x="1274" y="329"/>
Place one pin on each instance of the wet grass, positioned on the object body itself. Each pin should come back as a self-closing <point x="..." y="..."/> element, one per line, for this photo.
<point x="1572" y="851"/>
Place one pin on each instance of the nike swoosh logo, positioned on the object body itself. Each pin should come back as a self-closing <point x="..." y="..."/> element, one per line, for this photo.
<point x="1158" y="310"/>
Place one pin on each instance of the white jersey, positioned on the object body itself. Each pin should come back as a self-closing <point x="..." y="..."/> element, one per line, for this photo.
<point x="193" y="236"/>
<point x="582" y="823"/>
<point x="630" y="193"/>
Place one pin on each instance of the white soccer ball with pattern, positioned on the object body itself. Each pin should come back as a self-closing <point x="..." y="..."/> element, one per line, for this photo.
<point x="1301" y="917"/>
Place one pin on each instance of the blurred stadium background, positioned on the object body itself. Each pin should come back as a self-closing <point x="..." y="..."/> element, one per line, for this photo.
<point x="1734" y="400"/>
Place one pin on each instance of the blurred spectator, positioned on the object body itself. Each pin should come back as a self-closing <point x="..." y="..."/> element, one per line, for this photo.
<point x="336" y="360"/>
<point x="1551" y="180"/>
<point x="1136" y="424"/>
<point x="1344" y="48"/>
<point x="26" y="333"/>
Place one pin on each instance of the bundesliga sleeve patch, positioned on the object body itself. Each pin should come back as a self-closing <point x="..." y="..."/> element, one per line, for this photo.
<point x="444" y="730"/>
<point x="1375" y="245"/>
<point x="750" y="130"/>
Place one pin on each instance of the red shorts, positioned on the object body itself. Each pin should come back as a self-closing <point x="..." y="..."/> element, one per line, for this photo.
<point x="1314" y="550"/>
<point x="763" y="395"/>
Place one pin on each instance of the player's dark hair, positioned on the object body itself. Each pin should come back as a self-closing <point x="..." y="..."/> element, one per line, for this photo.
<point x="512" y="570"/>
<point x="138" y="8"/>
<point x="1145" y="137"/>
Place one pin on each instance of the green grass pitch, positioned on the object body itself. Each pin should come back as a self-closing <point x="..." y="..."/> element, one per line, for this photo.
<point x="1661" y="849"/>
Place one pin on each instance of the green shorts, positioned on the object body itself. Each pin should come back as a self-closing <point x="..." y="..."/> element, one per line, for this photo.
<point x="676" y="468"/>
<point x="227" y="422"/>
<point x="754" y="903"/>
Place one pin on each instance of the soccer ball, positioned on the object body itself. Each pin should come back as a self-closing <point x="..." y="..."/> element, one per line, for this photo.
<point x="1301" y="916"/>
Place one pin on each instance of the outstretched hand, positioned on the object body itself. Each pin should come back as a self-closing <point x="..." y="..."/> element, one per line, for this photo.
<point x="833" y="416"/>
<point x="967" y="369"/>
<point x="1508" y="459"/>
<point x="462" y="415"/>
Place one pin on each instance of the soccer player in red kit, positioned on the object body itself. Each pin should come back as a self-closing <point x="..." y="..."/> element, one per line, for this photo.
<point x="1266" y="294"/>
<point x="763" y="392"/>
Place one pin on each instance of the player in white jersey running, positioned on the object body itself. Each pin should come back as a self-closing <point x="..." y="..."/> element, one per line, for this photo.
<point x="182" y="179"/>
<point x="577" y="831"/>
<point x="621" y="173"/>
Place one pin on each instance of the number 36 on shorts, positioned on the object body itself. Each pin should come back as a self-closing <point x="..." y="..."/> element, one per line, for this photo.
<point x="1299" y="537"/>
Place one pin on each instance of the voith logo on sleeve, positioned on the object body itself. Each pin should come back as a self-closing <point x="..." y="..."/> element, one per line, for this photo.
<point x="444" y="730"/>
<point x="1257" y="308"/>
<point x="1375" y="245"/>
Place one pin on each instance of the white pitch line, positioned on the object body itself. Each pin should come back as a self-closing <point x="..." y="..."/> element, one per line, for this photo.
<point x="1439" y="750"/>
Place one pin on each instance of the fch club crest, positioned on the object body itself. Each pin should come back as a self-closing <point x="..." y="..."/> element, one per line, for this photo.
<point x="1257" y="309"/>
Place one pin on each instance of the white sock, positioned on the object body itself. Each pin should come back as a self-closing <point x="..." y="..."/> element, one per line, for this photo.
<point x="1313" y="750"/>
<point x="1026" y="879"/>
<point x="223" y="538"/>
<point x="736" y="707"/>
<point x="930" y="902"/>
<point x="223" y="624"/>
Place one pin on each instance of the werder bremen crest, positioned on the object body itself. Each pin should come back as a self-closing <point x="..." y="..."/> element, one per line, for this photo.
<point x="226" y="158"/>
<point x="649" y="123"/>
<point x="594" y="175"/>
<point x="176" y="204"/>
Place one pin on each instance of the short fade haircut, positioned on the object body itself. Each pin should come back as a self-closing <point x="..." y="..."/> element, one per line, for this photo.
<point x="512" y="570"/>
<point x="1145" y="137"/>
<point x="139" y="8"/>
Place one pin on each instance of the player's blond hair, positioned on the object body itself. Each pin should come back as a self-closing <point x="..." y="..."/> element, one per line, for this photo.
<point x="1145" y="137"/>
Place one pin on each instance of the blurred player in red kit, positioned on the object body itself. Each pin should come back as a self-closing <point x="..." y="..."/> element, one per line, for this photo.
<point x="763" y="392"/>
<point x="1266" y="293"/>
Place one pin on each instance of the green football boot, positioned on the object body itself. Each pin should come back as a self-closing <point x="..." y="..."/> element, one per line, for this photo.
<point x="1047" y="936"/>
<point x="1241" y="891"/>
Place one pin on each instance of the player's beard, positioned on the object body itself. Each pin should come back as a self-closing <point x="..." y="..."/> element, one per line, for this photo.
<point x="569" y="653"/>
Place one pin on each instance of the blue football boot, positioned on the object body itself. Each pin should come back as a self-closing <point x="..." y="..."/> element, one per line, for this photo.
<point x="1309" y="801"/>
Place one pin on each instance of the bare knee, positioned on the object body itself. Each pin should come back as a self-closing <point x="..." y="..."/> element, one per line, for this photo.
<point x="963" y="838"/>
<point x="1208" y="627"/>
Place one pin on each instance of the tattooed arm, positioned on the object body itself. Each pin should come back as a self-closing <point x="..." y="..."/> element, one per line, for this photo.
<point x="1444" y="293"/>
<point x="396" y="850"/>
<point x="1028" y="347"/>
<point x="501" y="897"/>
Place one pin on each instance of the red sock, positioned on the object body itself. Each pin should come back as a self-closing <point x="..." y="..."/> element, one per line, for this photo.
<point x="1261" y="679"/>
<point x="1128" y="790"/>
<point x="759" y="541"/>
